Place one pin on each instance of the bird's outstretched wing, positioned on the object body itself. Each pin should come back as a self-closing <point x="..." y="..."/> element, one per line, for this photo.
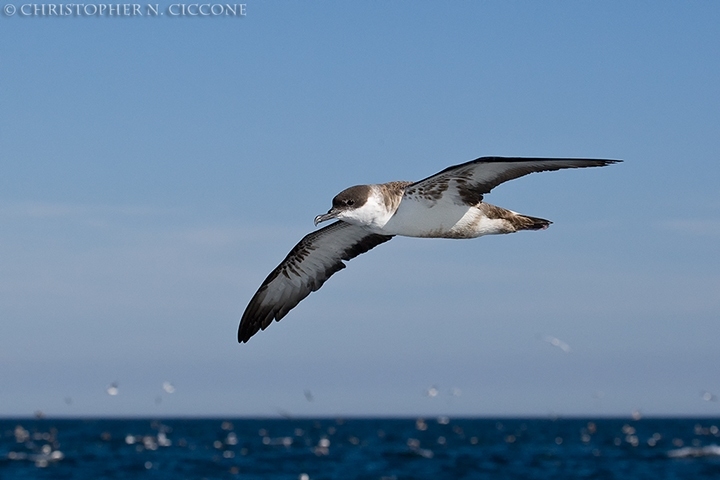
<point x="308" y="265"/>
<point x="468" y="182"/>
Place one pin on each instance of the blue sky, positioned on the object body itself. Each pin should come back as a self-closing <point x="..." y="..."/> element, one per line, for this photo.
<point x="156" y="169"/>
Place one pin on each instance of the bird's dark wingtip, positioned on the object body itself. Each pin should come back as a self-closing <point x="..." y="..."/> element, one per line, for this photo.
<point x="244" y="333"/>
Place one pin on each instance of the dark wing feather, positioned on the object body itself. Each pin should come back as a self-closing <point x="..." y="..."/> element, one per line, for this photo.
<point x="308" y="265"/>
<point x="477" y="177"/>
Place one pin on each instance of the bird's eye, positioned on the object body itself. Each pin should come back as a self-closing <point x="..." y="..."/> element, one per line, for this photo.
<point x="349" y="203"/>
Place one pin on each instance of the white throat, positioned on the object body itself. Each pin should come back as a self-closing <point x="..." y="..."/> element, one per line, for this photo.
<point x="373" y="215"/>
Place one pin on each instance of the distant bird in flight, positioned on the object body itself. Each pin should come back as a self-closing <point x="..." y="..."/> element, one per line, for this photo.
<point x="448" y="204"/>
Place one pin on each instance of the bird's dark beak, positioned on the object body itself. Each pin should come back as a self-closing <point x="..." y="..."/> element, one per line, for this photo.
<point x="332" y="213"/>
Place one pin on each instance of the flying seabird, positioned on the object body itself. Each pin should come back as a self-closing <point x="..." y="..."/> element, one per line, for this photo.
<point x="448" y="204"/>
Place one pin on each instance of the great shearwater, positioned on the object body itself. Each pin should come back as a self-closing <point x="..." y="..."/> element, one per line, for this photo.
<point x="448" y="204"/>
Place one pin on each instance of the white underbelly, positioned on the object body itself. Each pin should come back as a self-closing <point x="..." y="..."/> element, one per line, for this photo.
<point x="442" y="221"/>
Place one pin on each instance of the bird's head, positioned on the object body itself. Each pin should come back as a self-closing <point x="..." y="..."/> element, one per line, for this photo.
<point x="347" y="204"/>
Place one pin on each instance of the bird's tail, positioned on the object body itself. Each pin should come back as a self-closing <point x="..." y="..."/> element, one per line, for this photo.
<point x="524" y="222"/>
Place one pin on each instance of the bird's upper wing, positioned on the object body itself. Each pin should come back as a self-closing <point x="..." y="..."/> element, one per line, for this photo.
<point x="468" y="182"/>
<point x="308" y="265"/>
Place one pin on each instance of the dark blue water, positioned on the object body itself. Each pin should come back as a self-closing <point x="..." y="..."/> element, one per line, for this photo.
<point x="431" y="448"/>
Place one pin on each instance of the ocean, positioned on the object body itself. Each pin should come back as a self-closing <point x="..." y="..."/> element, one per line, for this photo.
<point x="368" y="448"/>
